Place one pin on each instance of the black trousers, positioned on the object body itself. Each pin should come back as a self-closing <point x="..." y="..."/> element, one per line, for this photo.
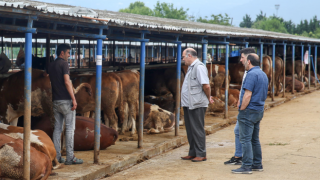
<point x="194" y="121"/>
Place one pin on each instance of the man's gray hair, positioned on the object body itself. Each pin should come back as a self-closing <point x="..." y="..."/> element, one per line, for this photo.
<point x="192" y="52"/>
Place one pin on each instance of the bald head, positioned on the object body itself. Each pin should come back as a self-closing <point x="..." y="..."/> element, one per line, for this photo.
<point x="254" y="59"/>
<point x="191" y="51"/>
<point x="189" y="55"/>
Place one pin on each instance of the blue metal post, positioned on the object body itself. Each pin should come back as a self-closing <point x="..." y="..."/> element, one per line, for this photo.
<point x="309" y="57"/>
<point x="247" y="45"/>
<point x="27" y="102"/>
<point x="226" y="81"/>
<point x="106" y="52"/>
<point x="178" y="88"/>
<point x="302" y="63"/>
<point x="98" y="100"/>
<point x="141" y="90"/>
<point x="173" y="51"/>
<point x="51" y="51"/>
<point x="55" y="50"/>
<point x="293" y="55"/>
<point x="44" y="53"/>
<point x="273" y="68"/>
<point x="126" y="53"/>
<point x="212" y="53"/>
<point x="95" y="53"/>
<point x="116" y="51"/>
<point x="261" y="56"/>
<point x="6" y="49"/>
<point x="152" y="52"/>
<point x="90" y="54"/>
<point x="284" y="68"/>
<point x="204" y="53"/>
<point x="315" y="63"/>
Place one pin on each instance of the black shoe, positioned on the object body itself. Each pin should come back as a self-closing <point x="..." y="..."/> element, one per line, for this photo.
<point x="242" y="170"/>
<point x="61" y="160"/>
<point x="234" y="161"/>
<point x="257" y="168"/>
<point x="74" y="161"/>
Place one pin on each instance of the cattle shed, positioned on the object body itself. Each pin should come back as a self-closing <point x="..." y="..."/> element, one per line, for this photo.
<point x="32" y="23"/>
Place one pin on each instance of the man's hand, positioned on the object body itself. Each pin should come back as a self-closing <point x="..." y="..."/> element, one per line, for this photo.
<point x="238" y="104"/>
<point x="211" y="100"/>
<point x="74" y="105"/>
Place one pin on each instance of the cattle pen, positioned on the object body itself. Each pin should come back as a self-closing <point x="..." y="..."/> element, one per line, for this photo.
<point x="109" y="39"/>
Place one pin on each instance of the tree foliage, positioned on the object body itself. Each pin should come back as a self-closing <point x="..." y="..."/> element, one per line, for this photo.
<point x="271" y="24"/>
<point x="216" y="19"/>
<point x="138" y="7"/>
<point x="247" y="22"/>
<point x="166" y="10"/>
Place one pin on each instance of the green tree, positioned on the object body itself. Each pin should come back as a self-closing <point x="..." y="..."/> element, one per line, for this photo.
<point x="247" y="22"/>
<point x="271" y="24"/>
<point x="167" y="10"/>
<point x="261" y="16"/>
<point x="138" y="7"/>
<point x="216" y="19"/>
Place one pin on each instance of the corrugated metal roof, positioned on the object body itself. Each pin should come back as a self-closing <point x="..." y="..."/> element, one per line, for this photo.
<point x="156" y="23"/>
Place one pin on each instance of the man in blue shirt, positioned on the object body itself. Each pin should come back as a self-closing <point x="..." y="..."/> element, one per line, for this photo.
<point x="253" y="95"/>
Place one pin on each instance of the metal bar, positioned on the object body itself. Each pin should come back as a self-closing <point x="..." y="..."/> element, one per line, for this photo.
<point x="293" y="54"/>
<point x="284" y="69"/>
<point x="27" y="104"/>
<point x="48" y="49"/>
<point x="204" y="53"/>
<point x="36" y="48"/>
<point x="141" y="90"/>
<point x="315" y="63"/>
<point x="246" y="44"/>
<point x="11" y="56"/>
<point x="302" y="63"/>
<point x="89" y="54"/>
<point x="226" y="81"/>
<point x="178" y="89"/>
<point x="273" y="68"/>
<point x="95" y="52"/>
<point x="18" y="16"/>
<point x="1" y="41"/>
<point x="81" y="25"/>
<point x="98" y="102"/>
<point x="72" y="33"/>
<point x="106" y="52"/>
<point x="309" y="56"/>
<point x="121" y="38"/>
<point x="17" y="28"/>
<point x="261" y="56"/>
<point x="78" y="53"/>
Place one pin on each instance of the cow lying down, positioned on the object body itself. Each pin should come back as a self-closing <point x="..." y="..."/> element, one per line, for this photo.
<point x="39" y="140"/>
<point x="83" y="135"/>
<point x="11" y="160"/>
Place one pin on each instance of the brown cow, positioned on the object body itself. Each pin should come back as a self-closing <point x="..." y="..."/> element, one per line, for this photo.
<point x="130" y="83"/>
<point x="299" y="68"/>
<point x="157" y="120"/>
<point x="278" y="76"/>
<point x="298" y="85"/>
<point x="111" y="97"/>
<point x="11" y="160"/>
<point x="217" y="75"/>
<point x="216" y="106"/>
<point x="12" y="96"/>
<point x="39" y="140"/>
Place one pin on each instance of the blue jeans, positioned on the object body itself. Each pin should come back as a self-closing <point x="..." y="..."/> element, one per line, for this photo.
<point x="249" y="126"/>
<point x="63" y="113"/>
<point x="238" y="151"/>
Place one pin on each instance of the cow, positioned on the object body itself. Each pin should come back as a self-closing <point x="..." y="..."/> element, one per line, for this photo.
<point x="217" y="75"/>
<point x="5" y="63"/>
<point x="11" y="160"/>
<point x="278" y="76"/>
<point x="130" y="85"/>
<point x="157" y="120"/>
<point x="298" y="85"/>
<point x="165" y="101"/>
<point x="232" y="100"/>
<point x="111" y="97"/>
<point x="162" y="81"/>
<point x="12" y="96"/>
<point x="216" y="106"/>
<point x="299" y="68"/>
<point x="37" y="63"/>
<point x="38" y="139"/>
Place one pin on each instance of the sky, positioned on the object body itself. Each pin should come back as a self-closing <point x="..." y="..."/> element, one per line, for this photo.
<point x="295" y="10"/>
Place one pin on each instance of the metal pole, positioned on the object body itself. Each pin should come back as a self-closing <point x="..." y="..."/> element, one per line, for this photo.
<point x="106" y="52"/>
<point x="284" y="68"/>
<point x="226" y="81"/>
<point x="273" y="68"/>
<point x="309" y="56"/>
<point x="11" y="56"/>
<point x="302" y="57"/>
<point x="55" y="50"/>
<point x="98" y="101"/>
<point x="95" y="52"/>
<point x="293" y="54"/>
<point x="141" y="90"/>
<point x="315" y="63"/>
<point x="261" y="56"/>
<point x="178" y="88"/>
<point x="204" y="53"/>
<point x="41" y="49"/>
<point x="89" y="53"/>
<point x="247" y="45"/>
<point x="83" y="51"/>
<point x="48" y="49"/>
<point x="78" y="53"/>
<point x="27" y="104"/>
<point x="1" y="41"/>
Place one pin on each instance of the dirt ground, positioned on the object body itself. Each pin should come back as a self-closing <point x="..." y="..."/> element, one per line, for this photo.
<point x="290" y="140"/>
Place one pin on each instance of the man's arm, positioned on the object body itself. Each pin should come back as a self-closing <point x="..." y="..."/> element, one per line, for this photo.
<point x="69" y="87"/>
<point x="246" y="99"/>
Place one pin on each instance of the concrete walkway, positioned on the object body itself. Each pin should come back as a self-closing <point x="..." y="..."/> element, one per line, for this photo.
<point x="290" y="139"/>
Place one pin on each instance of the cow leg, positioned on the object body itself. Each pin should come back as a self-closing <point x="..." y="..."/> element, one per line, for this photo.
<point x="106" y="119"/>
<point x="86" y="114"/>
<point x="92" y="114"/>
<point x="112" y="117"/>
<point x="14" y="122"/>
<point x="125" y="121"/>
<point x="181" y="120"/>
<point x="133" y="127"/>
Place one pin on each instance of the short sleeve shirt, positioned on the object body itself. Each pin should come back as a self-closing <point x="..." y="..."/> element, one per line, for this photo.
<point x="57" y="70"/>
<point x="256" y="81"/>
<point x="202" y="77"/>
